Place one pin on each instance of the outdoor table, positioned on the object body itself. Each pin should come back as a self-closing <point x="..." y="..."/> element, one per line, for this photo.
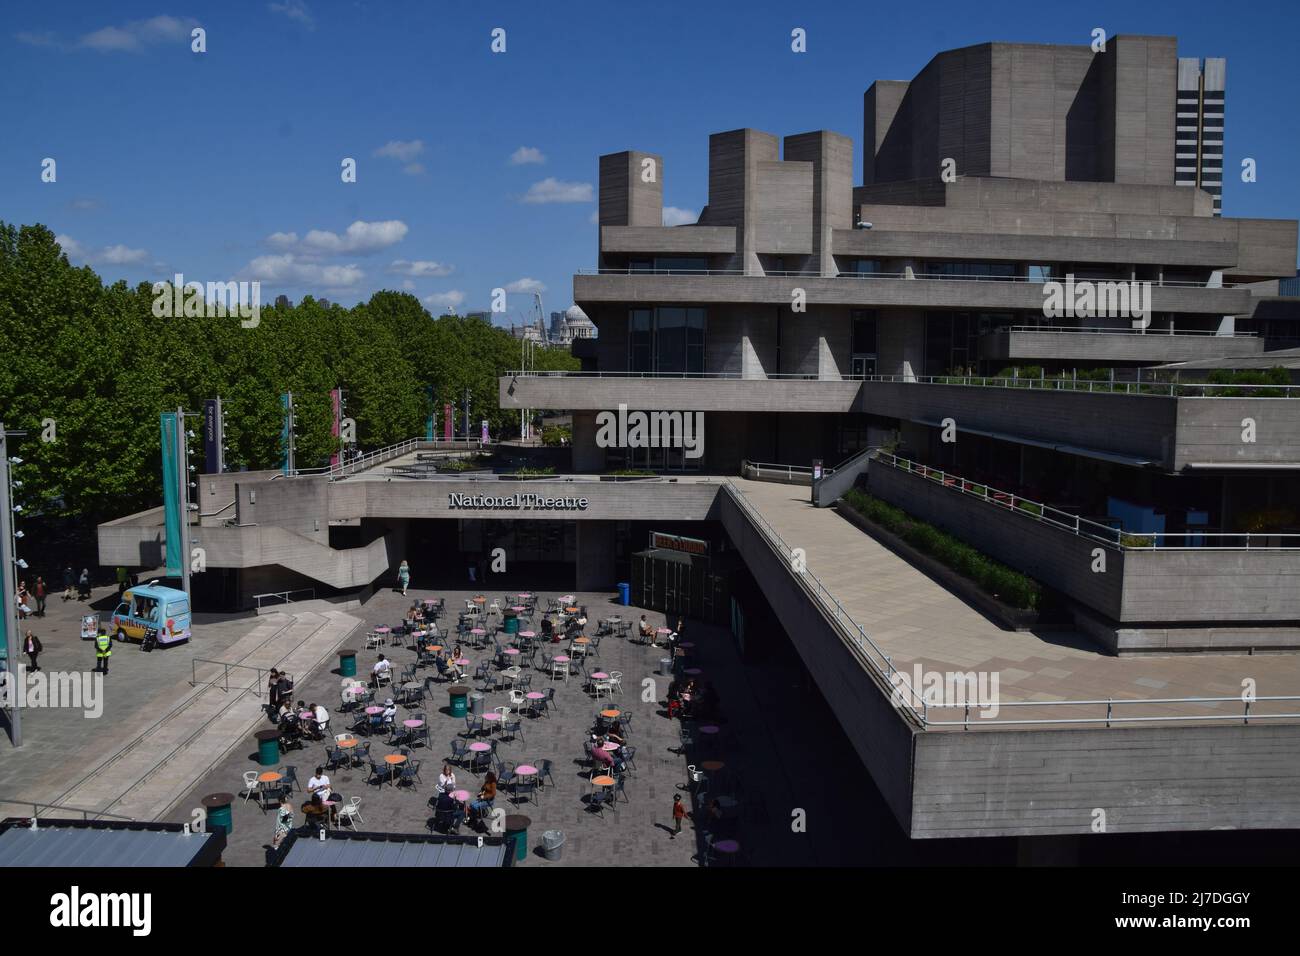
<point x="460" y="795"/>
<point x="524" y="594"/>
<point x="428" y="602"/>
<point x="609" y="746"/>
<point x="412" y="685"/>
<point x="713" y="766"/>
<point x="528" y="634"/>
<point x="412" y="724"/>
<point x="393" y="760"/>
<point x="710" y="729"/>
<point x="480" y="600"/>
<point x="518" y="608"/>
<point x="463" y="662"/>
<point x="560" y="659"/>
<point x="306" y="715"/>
<point x="433" y="648"/>
<point x="480" y="746"/>
<point x="582" y="640"/>
<point x="348" y="744"/>
<point x="685" y="644"/>
<point x="525" y="770"/>
<point x="477" y="630"/>
<point x="419" y="634"/>
<point x="602" y="781"/>
<point x="570" y="610"/>
<point x="217" y="807"/>
<point x="492" y="717"/>
<point x="727" y="803"/>
<point x="599" y="675"/>
<point x="612" y="713"/>
<point x="383" y="630"/>
<point x="266" y="781"/>
<point x="512" y="651"/>
<point x="371" y="711"/>
<point x="729" y="847"/>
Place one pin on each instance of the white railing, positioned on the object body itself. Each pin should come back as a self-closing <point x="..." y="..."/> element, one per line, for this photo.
<point x="1120" y="330"/>
<point x="732" y="376"/>
<point x="1086" y="527"/>
<point x="1147" y="389"/>
<point x="285" y="597"/>
<point x="903" y="276"/>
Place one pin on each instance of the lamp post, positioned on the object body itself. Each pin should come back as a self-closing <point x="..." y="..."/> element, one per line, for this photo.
<point x="7" y="600"/>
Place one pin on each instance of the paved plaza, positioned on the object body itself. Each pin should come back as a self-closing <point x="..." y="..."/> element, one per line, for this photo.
<point x="765" y="754"/>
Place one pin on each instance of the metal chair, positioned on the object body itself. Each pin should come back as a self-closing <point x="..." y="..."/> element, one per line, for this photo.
<point x="544" y="770"/>
<point x="514" y="728"/>
<point x="459" y="751"/>
<point x="526" y="789"/>
<point x="628" y="754"/>
<point x="410" y="773"/>
<point x="351" y="812"/>
<point x="250" y="784"/>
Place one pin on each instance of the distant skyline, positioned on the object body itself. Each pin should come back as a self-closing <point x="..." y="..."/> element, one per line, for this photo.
<point x="478" y="170"/>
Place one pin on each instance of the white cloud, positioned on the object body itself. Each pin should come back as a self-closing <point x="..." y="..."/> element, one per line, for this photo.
<point x="85" y="204"/>
<point x="36" y="39"/>
<point x="115" y="255"/>
<point x="413" y="169"/>
<point x="674" y="216"/>
<point x="525" y="155"/>
<point x="551" y="189"/>
<point x="401" y="150"/>
<point x="420" y="268"/>
<point x="408" y="285"/>
<point x="360" y="238"/>
<point x="287" y="269"/>
<point x="295" y="10"/>
<point x="133" y="37"/>
<point x="525" y="285"/>
<point x="449" y="301"/>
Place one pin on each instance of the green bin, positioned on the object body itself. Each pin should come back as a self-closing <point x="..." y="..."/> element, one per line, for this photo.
<point x="268" y="747"/>
<point x="511" y="620"/>
<point x="219" y="817"/>
<point x="459" y="700"/>
<point x="517" y="835"/>
<point x="347" y="663"/>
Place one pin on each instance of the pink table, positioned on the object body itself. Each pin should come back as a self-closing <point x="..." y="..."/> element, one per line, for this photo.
<point x="527" y="634"/>
<point x="512" y="651"/>
<point x="412" y="724"/>
<point x="492" y="716"/>
<point x="524" y="594"/>
<point x="727" y="846"/>
<point x="477" y="630"/>
<point x="534" y="695"/>
<point x="609" y="746"/>
<point x="560" y="659"/>
<point x="709" y="729"/>
<point x="663" y="630"/>
<point x="461" y="795"/>
<point x="479" y="747"/>
<point x="599" y="675"/>
<point x="374" y="710"/>
<point x="525" y="770"/>
<point x="306" y="715"/>
<point x="693" y="671"/>
<point x="463" y="662"/>
<point x="518" y="608"/>
<point x="382" y="630"/>
<point x="685" y="644"/>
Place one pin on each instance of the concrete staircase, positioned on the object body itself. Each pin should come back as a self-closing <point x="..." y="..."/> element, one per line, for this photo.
<point x="169" y="755"/>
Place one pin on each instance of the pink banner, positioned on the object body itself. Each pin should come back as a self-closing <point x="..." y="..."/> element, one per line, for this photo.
<point x="446" y="428"/>
<point x="336" y="403"/>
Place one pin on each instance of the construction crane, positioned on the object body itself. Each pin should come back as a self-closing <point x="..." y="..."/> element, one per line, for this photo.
<point x="528" y="358"/>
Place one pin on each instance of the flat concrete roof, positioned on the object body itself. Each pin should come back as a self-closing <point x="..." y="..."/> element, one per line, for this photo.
<point x="395" y="850"/>
<point x="70" y="843"/>
<point x="916" y="621"/>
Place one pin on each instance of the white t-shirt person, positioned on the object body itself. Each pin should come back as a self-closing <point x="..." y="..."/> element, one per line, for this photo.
<point x="447" y="782"/>
<point x="322" y="715"/>
<point x="320" y="784"/>
<point x="382" y="666"/>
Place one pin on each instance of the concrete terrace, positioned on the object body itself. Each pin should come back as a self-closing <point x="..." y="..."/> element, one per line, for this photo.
<point x="916" y="621"/>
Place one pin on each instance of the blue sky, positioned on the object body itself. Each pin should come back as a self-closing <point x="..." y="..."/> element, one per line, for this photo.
<point x="226" y="164"/>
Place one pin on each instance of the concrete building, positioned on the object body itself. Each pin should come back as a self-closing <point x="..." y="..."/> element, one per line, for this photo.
<point x="978" y="342"/>
<point x="1198" y="160"/>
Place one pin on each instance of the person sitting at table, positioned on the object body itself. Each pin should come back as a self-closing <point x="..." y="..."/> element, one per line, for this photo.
<point x="382" y="668"/>
<point x="674" y="699"/>
<point x="646" y="630"/>
<point x="615" y="733"/>
<point x="322" y="718"/>
<point x="314" y="812"/>
<point x="688" y="698"/>
<point x="600" y="756"/>
<point x="446" y="779"/>
<point x="283" y="825"/>
<point x="452" y="667"/>
<point x="319" y="784"/>
<point x="390" y="712"/>
<point x="487" y="795"/>
<point x="444" y="808"/>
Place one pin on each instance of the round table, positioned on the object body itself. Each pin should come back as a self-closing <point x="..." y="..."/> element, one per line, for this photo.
<point x="693" y="671"/>
<point x="663" y="630"/>
<point x="570" y="610"/>
<point x="727" y="846"/>
<point x="394" y="759"/>
<point x="524" y="594"/>
<point x="270" y="776"/>
<point x="609" y="746"/>
<point x="412" y="724"/>
<point x="602" y="781"/>
<point x="713" y="766"/>
<point x="479" y="746"/>
<point x="479" y="600"/>
<point x="612" y="713"/>
<point x="528" y="634"/>
<point x="383" y="630"/>
<point x="686" y="644"/>
<point x="477" y="631"/>
<point x="374" y="710"/>
<point x="710" y="729"/>
<point x="493" y="716"/>
<point x="534" y="695"/>
<point x="348" y="744"/>
<point x="525" y="770"/>
<point x="435" y="648"/>
<point x="582" y="640"/>
<point x="567" y="598"/>
<point x="599" y="675"/>
<point x="512" y="651"/>
<point x="306" y="715"/>
<point x="461" y="795"/>
<point x="518" y="608"/>
<point x="560" y="659"/>
<point x="463" y="662"/>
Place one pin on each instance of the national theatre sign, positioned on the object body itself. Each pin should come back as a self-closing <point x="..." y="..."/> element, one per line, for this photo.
<point x="524" y="501"/>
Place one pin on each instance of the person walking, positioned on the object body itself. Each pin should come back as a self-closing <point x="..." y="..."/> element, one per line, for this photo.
<point x="41" y="594"/>
<point x="679" y="814"/>
<point x="32" y="647"/>
<point x="69" y="579"/>
<point x="103" y="651"/>
<point x="404" y="576"/>
<point x="83" y="584"/>
<point x="23" y="597"/>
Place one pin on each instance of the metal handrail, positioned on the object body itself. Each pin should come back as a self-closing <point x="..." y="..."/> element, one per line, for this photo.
<point x="734" y="376"/>
<point x="788" y="470"/>
<point x="906" y="698"/>
<point x="213" y="514"/>
<point x="225" y="676"/>
<point x="286" y="595"/>
<point x="1144" y="389"/>
<point x="1085" y="527"/>
<point x="904" y="276"/>
<point x="1120" y="330"/>
<point x="85" y="814"/>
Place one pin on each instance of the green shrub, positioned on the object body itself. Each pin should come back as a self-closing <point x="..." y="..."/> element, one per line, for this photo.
<point x="1006" y="584"/>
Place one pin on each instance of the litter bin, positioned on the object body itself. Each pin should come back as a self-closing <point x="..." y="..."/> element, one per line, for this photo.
<point x="624" y="594"/>
<point x="347" y="663"/>
<point x="458" y="694"/>
<point x="552" y="844"/>
<point x="217" y="806"/>
<point x="475" y="704"/>
<point x="666" y="666"/>
<point x="268" y="747"/>
<point x="517" y="835"/>
<point x="510" y="619"/>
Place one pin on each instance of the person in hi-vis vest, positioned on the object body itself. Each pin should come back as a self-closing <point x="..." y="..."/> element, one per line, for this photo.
<point x="103" y="651"/>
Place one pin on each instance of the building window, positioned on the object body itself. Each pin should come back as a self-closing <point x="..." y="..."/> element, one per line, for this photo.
<point x="864" y="331"/>
<point x="971" y="270"/>
<point x="678" y="265"/>
<point x="866" y="267"/>
<point x="1040" y="273"/>
<point x="666" y="339"/>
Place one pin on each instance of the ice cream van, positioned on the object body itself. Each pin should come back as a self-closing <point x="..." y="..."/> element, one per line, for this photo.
<point x="152" y="615"/>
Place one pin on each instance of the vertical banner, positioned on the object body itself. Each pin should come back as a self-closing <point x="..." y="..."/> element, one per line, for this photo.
<point x="285" y="435"/>
<point x="446" y="425"/>
<point x="212" y="436"/>
<point x="483" y="434"/>
<point x="336" y="404"/>
<point x="428" y="422"/>
<point x="171" y="495"/>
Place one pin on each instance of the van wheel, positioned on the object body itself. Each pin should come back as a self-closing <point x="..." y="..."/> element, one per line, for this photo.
<point x="121" y="635"/>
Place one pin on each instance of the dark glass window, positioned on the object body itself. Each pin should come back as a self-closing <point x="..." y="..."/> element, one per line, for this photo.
<point x="666" y="339"/>
<point x="640" y="337"/>
<point x="678" y="264"/>
<point x="971" y="270"/>
<point x="867" y="266"/>
<point x="864" y="332"/>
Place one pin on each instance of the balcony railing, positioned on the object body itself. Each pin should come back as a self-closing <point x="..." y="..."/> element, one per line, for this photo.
<point x="1056" y="384"/>
<point x="1086" y="527"/>
<point x="736" y="376"/>
<point x="1118" y="330"/>
<point x="905" y="276"/>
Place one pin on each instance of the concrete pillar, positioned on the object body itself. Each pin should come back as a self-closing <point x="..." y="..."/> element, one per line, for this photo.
<point x="734" y="157"/>
<point x="631" y="191"/>
<point x="900" y="346"/>
<point x="831" y="156"/>
<point x="595" y="565"/>
<point x="588" y="458"/>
